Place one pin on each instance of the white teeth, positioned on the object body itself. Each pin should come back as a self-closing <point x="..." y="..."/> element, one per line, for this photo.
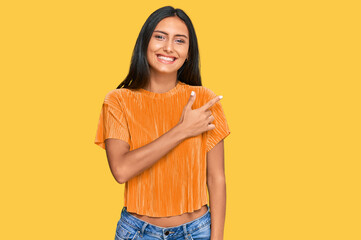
<point x="166" y="58"/>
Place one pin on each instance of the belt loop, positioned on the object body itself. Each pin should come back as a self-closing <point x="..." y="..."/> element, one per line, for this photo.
<point x="185" y="231"/>
<point x="143" y="228"/>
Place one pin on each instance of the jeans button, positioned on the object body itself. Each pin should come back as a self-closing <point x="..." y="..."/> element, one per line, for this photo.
<point x="166" y="233"/>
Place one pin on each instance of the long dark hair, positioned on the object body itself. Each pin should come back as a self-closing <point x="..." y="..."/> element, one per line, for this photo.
<point x="139" y="72"/>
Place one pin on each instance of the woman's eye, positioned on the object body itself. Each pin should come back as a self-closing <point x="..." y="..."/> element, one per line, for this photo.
<point x="158" y="36"/>
<point x="181" y="41"/>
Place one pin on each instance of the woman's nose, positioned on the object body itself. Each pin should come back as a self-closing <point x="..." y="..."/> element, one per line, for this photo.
<point x="168" y="46"/>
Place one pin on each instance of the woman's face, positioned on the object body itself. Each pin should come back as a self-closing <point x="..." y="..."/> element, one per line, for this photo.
<point x="170" y="38"/>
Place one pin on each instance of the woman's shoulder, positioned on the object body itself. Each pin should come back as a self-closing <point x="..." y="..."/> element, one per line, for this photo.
<point x="201" y="90"/>
<point x="116" y="96"/>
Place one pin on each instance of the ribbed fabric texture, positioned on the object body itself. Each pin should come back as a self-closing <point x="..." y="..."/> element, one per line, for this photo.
<point x="176" y="183"/>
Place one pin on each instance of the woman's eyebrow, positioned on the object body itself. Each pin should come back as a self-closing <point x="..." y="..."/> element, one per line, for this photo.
<point x="178" y="35"/>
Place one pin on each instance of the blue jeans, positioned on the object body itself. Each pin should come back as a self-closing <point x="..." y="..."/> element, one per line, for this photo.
<point x="130" y="227"/>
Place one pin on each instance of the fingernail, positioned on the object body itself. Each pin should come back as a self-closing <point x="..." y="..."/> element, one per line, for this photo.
<point x="220" y="97"/>
<point x="192" y="93"/>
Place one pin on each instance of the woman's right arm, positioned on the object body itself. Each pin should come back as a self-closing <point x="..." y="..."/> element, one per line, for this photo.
<point x="126" y="164"/>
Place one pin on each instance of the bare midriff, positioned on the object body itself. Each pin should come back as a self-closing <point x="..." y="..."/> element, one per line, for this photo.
<point x="172" y="221"/>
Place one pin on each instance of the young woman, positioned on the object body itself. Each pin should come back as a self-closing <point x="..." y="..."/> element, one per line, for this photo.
<point x="163" y="135"/>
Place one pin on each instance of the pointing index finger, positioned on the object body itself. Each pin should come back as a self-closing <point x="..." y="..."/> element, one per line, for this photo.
<point x="212" y="102"/>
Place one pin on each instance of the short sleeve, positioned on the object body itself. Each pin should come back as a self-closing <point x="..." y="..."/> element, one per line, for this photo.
<point x="221" y="129"/>
<point x="112" y="122"/>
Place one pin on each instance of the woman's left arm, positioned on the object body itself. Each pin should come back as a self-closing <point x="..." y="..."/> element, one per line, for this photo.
<point x="216" y="183"/>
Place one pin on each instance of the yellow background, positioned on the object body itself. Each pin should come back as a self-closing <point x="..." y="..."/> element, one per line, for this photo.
<point x="289" y="72"/>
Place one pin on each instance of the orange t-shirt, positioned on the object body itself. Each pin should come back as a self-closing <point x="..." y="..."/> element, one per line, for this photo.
<point x="176" y="183"/>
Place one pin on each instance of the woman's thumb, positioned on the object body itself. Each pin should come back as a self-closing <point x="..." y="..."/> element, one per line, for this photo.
<point x="191" y="100"/>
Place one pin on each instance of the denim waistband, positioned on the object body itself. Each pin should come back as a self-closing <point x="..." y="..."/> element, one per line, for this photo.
<point x="166" y="232"/>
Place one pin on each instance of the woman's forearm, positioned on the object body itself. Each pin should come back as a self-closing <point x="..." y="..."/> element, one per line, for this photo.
<point x="217" y="202"/>
<point x="136" y="161"/>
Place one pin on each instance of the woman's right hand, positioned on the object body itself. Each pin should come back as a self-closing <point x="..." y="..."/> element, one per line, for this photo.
<point x="196" y="121"/>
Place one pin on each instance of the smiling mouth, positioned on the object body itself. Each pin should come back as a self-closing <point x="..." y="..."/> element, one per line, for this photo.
<point x="165" y="59"/>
